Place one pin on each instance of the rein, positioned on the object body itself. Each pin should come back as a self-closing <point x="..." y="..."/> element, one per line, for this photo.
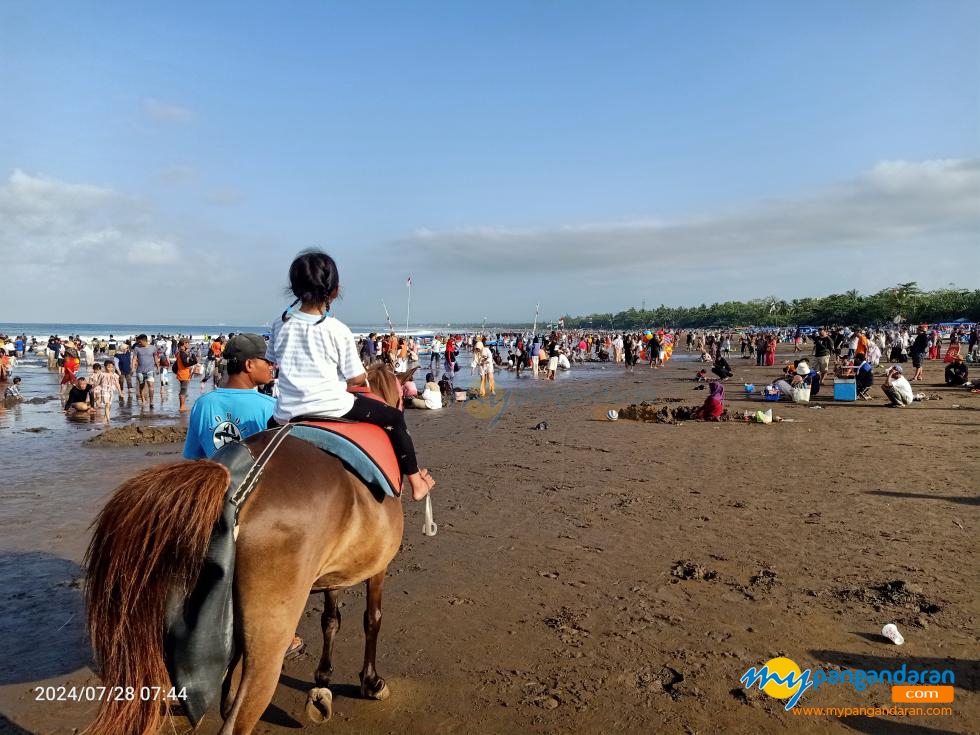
<point x="251" y="478"/>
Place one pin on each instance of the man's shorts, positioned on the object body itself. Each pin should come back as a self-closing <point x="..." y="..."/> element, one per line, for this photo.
<point x="823" y="363"/>
<point x="183" y="387"/>
<point x="146" y="377"/>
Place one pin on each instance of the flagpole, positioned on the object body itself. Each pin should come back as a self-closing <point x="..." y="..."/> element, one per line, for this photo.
<point x="408" y="309"/>
<point x="535" y="329"/>
<point x="391" y="326"/>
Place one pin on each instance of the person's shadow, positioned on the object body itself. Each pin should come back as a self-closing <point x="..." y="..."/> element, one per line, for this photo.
<point x="42" y="617"/>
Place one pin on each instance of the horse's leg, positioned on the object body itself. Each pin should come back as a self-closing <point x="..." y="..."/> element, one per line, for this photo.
<point x="265" y="644"/>
<point x="330" y="622"/>
<point x="372" y="685"/>
<point x="229" y="689"/>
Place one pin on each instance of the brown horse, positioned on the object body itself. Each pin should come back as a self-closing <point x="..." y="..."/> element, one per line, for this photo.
<point x="309" y="525"/>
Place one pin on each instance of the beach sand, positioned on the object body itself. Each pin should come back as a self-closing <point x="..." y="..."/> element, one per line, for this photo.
<point x="599" y="576"/>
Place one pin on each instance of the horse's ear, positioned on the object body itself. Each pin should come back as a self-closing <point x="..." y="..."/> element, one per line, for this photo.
<point x="407" y="375"/>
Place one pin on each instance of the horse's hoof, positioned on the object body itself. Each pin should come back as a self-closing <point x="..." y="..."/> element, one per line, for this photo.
<point x="319" y="705"/>
<point x="378" y="693"/>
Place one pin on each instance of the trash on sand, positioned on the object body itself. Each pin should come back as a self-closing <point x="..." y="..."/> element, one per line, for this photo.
<point x="890" y="632"/>
<point x="612" y="414"/>
<point x="540" y="426"/>
<point x="816" y="408"/>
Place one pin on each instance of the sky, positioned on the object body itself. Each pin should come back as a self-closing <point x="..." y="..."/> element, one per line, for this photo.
<point x="164" y="162"/>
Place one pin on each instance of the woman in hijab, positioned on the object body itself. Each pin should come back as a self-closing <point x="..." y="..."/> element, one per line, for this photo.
<point x="714" y="404"/>
<point x="771" y="350"/>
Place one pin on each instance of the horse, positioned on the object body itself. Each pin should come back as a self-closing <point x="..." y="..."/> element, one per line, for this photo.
<point x="309" y="526"/>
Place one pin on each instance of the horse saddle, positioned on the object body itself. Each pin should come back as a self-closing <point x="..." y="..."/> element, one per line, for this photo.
<point x="199" y="640"/>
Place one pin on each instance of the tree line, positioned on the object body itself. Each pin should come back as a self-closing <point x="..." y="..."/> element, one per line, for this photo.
<point x="905" y="302"/>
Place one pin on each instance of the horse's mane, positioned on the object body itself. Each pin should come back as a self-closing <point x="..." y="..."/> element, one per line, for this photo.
<point x="384" y="383"/>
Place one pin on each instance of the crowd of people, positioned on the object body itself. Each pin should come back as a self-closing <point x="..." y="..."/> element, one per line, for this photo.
<point x="116" y="368"/>
<point x="148" y="364"/>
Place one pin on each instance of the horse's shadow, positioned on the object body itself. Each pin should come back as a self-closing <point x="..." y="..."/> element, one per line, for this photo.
<point x="42" y="617"/>
<point x="348" y="691"/>
<point x="9" y="727"/>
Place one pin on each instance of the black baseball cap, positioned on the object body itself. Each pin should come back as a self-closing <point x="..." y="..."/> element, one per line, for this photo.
<point x="245" y="346"/>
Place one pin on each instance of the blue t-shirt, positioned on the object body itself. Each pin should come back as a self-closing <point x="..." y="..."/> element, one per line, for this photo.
<point x="223" y="416"/>
<point x="125" y="362"/>
<point x="19" y="345"/>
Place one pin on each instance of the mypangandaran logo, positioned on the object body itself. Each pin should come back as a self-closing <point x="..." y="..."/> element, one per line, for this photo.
<point x="781" y="678"/>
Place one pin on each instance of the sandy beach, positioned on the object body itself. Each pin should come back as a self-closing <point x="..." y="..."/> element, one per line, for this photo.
<point x="593" y="577"/>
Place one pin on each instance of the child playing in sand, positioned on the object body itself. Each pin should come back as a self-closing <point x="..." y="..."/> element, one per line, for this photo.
<point x="714" y="404"/>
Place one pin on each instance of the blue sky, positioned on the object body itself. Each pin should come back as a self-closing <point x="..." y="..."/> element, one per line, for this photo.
<point x="584" y="155"/>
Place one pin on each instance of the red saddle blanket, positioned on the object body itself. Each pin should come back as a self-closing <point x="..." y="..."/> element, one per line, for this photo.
<point x="372" y="440"/>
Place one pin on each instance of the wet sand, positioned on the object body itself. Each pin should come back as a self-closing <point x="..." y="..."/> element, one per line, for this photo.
<point x="593" y="577"/>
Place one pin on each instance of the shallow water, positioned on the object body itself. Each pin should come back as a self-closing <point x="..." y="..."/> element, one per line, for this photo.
<point x="51" y="478"/>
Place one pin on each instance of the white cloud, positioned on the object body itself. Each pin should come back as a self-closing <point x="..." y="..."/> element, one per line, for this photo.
<point x="81" y="227"/>
<point x="153" y="252"/>
<point x="167" y="112"/>
<point x="897" y="203"/>
<point x="59" y="239"/>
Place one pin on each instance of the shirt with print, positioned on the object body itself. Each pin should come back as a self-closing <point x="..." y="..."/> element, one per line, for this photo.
<point x="316" y="358"/>
<point x="223" y="416"/>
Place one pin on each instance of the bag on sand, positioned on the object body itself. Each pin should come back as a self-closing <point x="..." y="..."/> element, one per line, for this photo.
<point x="801" y="394"/>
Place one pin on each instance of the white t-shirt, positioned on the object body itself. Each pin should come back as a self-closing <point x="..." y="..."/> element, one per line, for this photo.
<point x="315" y="363"/>
<point x="432" y="396"/>
<point x="904" y="388"/>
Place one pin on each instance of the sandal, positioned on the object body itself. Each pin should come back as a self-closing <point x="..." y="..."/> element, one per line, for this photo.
<point x="295" y="649"/>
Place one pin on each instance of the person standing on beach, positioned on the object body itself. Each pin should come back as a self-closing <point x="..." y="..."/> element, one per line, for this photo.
<point x="68" y="370"/>
<point x="771" y="350"/>
<point x="111" y="382"/>
<point x="484" y="361"/>
<point x="554" y="351"/>
<point x="124" y="362"/>
<point x="451" y="350"/>
<point x="183" y="362"/>
<point x="104" y="384"/>
<point x="920" y="346"/>
<point x="823" y="346"/>
<point x="535" y="355"/>
<point x="435" y="354"/>
<point x="145" y="365"/>
<point x="628" y="348"/>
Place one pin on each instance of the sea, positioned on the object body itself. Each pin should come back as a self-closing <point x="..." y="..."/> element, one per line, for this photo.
<point x="199" y="331"/>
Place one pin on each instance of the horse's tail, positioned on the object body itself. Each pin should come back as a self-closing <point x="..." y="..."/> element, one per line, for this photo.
<point x="152" y="534"/>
